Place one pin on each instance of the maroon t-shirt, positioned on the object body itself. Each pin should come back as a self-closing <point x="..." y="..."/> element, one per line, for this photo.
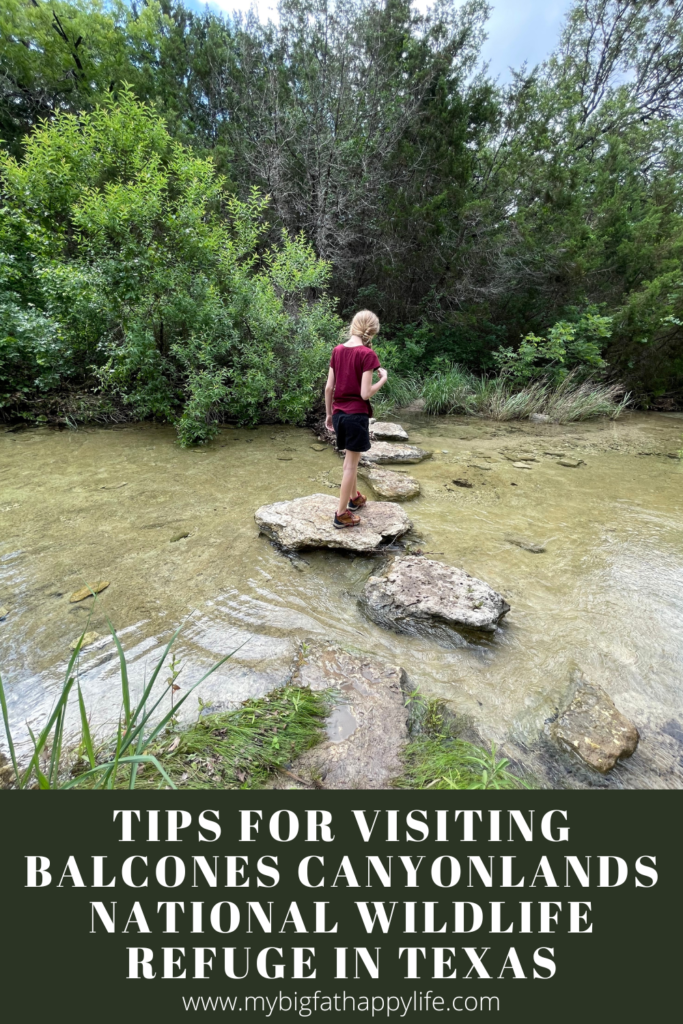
<point x="349" y="365"/>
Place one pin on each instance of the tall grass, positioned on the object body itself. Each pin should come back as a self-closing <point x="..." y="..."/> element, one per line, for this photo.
<point x="136" y="734"/>
<point x="240" y="749"/>
<point x="456" y="391"/>
<point x="436" y="758"/>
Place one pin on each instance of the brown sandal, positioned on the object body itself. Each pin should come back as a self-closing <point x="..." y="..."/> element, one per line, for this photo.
<point x="357" y="502"/>
<point x="346" y="519"/>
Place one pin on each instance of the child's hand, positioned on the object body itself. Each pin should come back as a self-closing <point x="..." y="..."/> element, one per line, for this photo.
<point x="328" y="425"/>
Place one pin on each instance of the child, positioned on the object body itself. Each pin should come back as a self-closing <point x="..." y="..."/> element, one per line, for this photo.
<point x="347" y="392"/>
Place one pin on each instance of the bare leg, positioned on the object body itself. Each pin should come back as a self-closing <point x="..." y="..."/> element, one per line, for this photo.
<point x="349" y="484"/>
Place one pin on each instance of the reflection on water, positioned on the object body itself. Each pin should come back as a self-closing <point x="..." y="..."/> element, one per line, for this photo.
<point x="606" y="595"/>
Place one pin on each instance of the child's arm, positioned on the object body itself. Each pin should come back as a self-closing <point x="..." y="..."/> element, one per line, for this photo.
<point x="367" y="388"/>
<point x="329" y="393"/>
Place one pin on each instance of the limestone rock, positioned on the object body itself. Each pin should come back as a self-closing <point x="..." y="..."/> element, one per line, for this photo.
<point x="391" y="486"/>
<point x="89" y="638"/>
<point x="382" y="452"/>
<point x="571" y="463"/>
<point x="539" y="417"/>
<point x="592" y="727"/>
<point x="521" y="465"/>
<point x="423" y="597"/>
<point x="309" y="523"/>
<point x="97" y="588"/>
<point x="367" y="729"/>
<point x="380" y="431"/>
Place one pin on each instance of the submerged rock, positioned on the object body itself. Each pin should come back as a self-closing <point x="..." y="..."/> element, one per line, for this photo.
<point x="367" y="729"/>
<point x="521" y="465"/>
<point x="383" y="452"/>
<point x="391" y="486"/>
<point x="4" y="612"/>
<point x="380" y="431"/>
<point x="461" y="482"/>
<point x="179" y="536"/>
<point x="309" y="523"/>
<point x="571" y="463"/>
<point x="417" y="405"/>
<point x="593" y="728"/>
<point x="319" y="447"/>
<point x="527" y="545"/>
<point x="97" y="588"/>
<point x="423" y="597"/>
<point x="89" y="638"/>
<point x="539" y="417"/>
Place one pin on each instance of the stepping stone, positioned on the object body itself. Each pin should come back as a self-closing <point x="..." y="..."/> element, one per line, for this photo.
<point x="366" y="731"/>
<point x="593" y="728"/>
<point x="391" y="486"/>
<point x="381" y="452"/>
<point x="387" y="432"/>
<point x="309" y="523"/>
<point x="422" y="597"/>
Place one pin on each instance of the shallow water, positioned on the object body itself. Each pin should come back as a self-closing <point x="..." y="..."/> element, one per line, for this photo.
<point x="606" y="596"/>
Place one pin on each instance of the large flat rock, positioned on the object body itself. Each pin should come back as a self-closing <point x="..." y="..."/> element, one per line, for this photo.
<point x="381" y="431"/>
<point x="382" y="452"/>
<point x="390" y="486"/>
<point x="593" y="728"/>
<point x="308" y="523"/>
<point x="366" y="731"/>
<point x="423" y="597"/>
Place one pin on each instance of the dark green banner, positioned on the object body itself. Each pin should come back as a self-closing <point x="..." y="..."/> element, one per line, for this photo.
<point x="371" y="905"/>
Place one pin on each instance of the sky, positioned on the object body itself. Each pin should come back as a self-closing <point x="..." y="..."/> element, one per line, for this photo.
<point x="518" y="30"/>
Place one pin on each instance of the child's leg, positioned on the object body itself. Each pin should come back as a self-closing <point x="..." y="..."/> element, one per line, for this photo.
<point x="349" y="484"/>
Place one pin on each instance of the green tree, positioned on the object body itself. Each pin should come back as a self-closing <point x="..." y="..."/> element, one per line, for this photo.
<point x="150" y="275"/>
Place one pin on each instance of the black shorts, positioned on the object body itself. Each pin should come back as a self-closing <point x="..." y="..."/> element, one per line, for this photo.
<point x="352" y="430"/>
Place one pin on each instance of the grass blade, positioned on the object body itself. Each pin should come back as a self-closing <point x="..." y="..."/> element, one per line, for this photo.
<point x="135" y="759"/>
<point x="85" y="729"/>
<point x="8" y="733"/>
<point x="125" y="687"/>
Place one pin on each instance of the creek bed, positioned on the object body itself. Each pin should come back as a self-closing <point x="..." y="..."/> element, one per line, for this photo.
<point x="606" y="595"/>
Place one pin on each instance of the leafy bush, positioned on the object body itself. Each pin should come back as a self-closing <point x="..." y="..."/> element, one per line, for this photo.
<point x="146" y="274"/>
<point x="568" y="346"/>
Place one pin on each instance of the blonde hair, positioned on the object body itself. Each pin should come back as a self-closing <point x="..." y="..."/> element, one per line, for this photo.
<point x="364" y="325"/>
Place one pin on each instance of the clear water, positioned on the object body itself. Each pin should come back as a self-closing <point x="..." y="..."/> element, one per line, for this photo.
<point x="606" y="596"/>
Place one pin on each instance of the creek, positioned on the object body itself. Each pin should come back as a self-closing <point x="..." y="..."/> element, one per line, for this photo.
<point x="605" y="596"/>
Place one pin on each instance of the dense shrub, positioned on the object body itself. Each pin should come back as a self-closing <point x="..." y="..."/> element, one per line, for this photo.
<point x="146" y="274"/>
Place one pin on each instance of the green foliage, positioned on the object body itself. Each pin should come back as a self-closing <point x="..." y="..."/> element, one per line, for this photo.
<point x="453" y="390"/>
<point x="241" y="749"/>
<point x="138" y="729"/>
<point x="150" y="276"/>
<point x="436" y="759"/>
<point x="468" y="214"/>
<point x="568" y="346"/>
